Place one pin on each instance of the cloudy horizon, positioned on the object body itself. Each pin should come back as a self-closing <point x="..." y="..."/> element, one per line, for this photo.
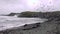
<point x="7" y="6"/>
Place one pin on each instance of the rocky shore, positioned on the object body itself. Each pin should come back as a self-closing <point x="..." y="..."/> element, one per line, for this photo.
<point x="52" y="26"/>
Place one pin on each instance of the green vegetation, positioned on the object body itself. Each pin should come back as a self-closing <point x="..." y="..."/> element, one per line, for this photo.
<point x="28" y="14"/>
<point x="39" y="14"/>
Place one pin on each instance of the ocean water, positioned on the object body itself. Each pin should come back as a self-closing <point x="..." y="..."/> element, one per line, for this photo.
<point x="7" y="22"/>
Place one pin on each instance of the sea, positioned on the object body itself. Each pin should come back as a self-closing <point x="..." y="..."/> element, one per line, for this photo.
<point x="7" y="22"/>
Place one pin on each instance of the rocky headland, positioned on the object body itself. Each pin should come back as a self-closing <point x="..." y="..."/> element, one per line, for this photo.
<point x="52" y="26"/>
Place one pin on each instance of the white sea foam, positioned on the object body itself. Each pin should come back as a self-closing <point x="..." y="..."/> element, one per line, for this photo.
<point x="7" y="22"/>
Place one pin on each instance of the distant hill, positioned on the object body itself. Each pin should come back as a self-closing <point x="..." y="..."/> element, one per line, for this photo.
<point x="39" y="14"/>
<point x="12" y="14"/>
<point x="48" y="15"/>
<point x="29" y="14"/>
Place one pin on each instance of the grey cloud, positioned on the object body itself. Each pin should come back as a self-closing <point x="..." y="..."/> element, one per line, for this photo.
<point x="19" y="5"/>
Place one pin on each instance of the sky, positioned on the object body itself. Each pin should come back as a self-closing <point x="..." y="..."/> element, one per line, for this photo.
<point x="7" y="6"/>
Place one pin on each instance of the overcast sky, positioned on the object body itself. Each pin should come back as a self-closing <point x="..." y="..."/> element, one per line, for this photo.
<point x="7" y="6"/>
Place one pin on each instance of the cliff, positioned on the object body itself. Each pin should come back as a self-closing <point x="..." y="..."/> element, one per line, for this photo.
<point x="39" y="14"/>
<point x="47" y="15"/>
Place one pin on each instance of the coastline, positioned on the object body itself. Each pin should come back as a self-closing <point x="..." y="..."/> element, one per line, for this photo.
<point x="44" y="28"/>
<point x="52" y="26"/>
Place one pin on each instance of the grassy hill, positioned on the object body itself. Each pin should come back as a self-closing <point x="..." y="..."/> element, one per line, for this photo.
<point x="39" y="14"/>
